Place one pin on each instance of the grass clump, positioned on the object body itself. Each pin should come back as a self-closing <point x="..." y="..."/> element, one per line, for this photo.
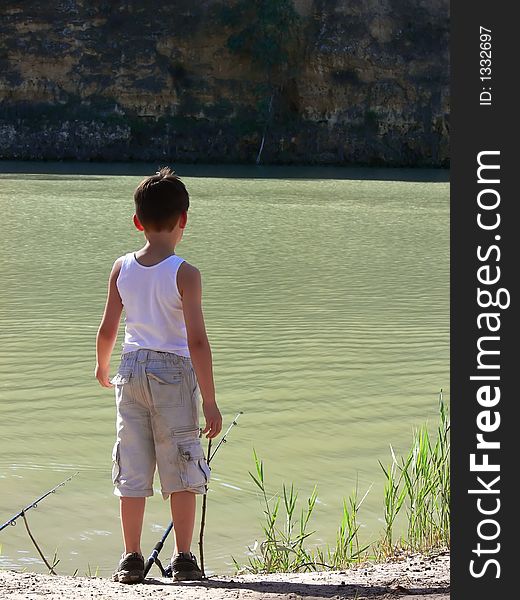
<point x="420" y="482"/>
<point x="416" y="485"/>
<point x="283" y="546"/>
<point x="347" y="549"/>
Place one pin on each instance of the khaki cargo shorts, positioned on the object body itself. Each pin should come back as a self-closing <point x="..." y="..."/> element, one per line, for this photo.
<point x="157" y="400"/>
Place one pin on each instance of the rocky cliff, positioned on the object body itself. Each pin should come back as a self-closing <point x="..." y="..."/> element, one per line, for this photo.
<point x="319" y="81"/>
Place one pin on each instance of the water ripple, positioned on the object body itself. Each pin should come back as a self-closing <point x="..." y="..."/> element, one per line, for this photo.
<point x="327" y="307"/>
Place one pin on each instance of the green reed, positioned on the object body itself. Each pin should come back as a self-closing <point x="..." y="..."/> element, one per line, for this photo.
<point x="421" y="483"/>
<point x="347" y="549"/>
<point x="282" y="549"/>
<point x="416" y="485"/>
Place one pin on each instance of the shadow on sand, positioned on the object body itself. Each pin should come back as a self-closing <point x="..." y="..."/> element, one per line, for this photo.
<point x="307" y="590"/>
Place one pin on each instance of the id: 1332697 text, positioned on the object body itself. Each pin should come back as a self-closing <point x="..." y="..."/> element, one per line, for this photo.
<point x="485" y="66"/>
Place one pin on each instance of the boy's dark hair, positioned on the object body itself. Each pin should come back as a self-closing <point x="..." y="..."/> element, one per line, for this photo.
<point x="160" y="199"/>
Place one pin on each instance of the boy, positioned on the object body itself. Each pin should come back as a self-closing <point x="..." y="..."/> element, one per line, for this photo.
<point x="166" y="362"/>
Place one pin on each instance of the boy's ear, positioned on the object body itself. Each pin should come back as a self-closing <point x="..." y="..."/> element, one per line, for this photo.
<point x="137" y="224"/>
<point x="183" y="219"/>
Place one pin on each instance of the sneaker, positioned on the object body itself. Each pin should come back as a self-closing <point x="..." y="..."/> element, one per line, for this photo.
<point x="130" y="568"/>
<point x="184" y="567"/>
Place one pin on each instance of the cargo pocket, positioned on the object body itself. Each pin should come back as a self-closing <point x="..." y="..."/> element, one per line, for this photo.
<point x="116" y="467"/>
<point x="195" y="471"/>
<point x="166" y="387"/>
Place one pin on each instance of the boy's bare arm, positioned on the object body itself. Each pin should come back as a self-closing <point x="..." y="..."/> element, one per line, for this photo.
<point x="190" y="287"/>
<point x="107" y="332"/>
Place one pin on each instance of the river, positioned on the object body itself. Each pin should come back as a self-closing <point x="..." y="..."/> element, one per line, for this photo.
<point x="326" y="299"/>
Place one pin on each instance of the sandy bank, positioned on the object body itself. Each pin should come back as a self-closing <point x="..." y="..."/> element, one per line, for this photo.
<point x="412" y="578"/>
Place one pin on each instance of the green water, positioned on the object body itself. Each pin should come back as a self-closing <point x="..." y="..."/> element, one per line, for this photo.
<point x="326" y="297"/>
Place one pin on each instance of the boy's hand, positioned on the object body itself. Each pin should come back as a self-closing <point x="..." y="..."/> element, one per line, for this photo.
<point x="101" y="374"/>
<point x="213" y="420"/>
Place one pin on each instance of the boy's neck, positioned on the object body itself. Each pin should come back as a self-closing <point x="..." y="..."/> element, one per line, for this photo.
<point x="157" y="248"/>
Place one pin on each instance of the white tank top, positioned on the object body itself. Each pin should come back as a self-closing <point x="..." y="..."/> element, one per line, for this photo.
<point x="153" y="306"/>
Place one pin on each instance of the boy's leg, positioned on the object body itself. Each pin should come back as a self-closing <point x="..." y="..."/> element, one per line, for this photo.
<point x="182" y="467"/>
<point x="183" y="506"/>
<point x="131" y="565"/>
<point x="132" y="513"/>
<point x="184" y="564"/>
<point x="133" y="464"/>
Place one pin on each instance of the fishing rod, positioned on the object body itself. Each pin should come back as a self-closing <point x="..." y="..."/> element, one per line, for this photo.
<point x="12" y="520"/>
<point x="153" y="558"/>
<point x="223" y="439"/>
